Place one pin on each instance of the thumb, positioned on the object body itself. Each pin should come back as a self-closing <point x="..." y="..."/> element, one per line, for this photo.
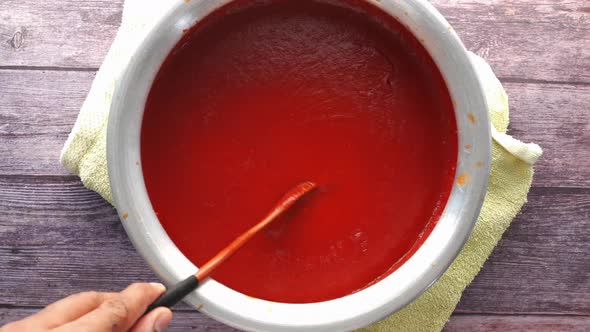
<point x="155" y="321"/>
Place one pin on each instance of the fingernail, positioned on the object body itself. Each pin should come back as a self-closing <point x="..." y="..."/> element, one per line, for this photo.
<point x="161" y="322"/>
<point x="158" y="285"/>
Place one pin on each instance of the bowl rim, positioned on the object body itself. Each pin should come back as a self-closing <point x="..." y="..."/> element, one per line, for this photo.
<point x="392" y="293"/>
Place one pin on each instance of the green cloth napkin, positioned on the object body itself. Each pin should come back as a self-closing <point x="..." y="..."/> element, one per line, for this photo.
<point x="85" y="154"/>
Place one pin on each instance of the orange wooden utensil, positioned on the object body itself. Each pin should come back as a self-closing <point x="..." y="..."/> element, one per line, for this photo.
<point x="177" y="292"/>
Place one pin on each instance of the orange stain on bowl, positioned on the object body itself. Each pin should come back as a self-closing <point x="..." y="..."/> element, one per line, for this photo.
<point x="478" y="164"/>
<point x="125" y="216"/>
<point x="200" y="305"/>
<point x="463" y="179"/>
<point x="468" y="147"/>
<point x="471" y="118"/>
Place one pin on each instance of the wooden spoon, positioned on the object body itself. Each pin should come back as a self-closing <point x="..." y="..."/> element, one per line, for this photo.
<point x="177" y="292"/>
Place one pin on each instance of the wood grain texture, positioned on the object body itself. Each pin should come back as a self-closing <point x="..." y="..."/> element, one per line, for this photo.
<point x="512" y="323"/>
<point x="39" y="109"/>
<point x="58" y="238"/>
<point x="542" y="262"/>
<point x="197" y="322"/>
<point x="557" y="117"/>
<point x="57" y="33"/>
<point x="183" y="321"/>
<point x="542" y="40"/>
<point x="37" y="112"/>
<point x="533" y="40"/>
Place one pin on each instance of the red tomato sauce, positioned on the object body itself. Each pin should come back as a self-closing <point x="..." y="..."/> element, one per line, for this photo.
<point x="258" y="98"/>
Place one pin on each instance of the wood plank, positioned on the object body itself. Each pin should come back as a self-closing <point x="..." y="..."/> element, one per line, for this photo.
<point x="183" y="321"/>
<point x="558" y="118"/>
<point x="194" y="321"/>
<point x="57" y="33"/>
<point x="514" y="323"/>
<point x="535" y="40"/>
<point x="64" y="237"/>
<point x="39" y="109"/>
<point x="57" y="238"/>
<point x="543" y="40"/>
<point x="541" y="264"/>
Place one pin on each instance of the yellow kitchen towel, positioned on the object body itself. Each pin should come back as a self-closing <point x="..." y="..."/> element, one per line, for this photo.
<point x="84" y="154"/>
<point x="510" y="180"/>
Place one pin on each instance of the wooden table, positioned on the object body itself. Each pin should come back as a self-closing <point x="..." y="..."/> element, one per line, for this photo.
<point x="56" y="237"/>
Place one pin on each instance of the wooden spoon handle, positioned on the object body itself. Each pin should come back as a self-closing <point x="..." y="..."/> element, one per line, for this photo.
<point x="177" y="292"/>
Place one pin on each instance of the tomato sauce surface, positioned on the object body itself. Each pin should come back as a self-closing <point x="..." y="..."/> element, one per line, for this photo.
<point x="262" y="96"/>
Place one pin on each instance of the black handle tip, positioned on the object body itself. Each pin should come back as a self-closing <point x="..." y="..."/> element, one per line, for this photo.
<point x="175" y="293"/>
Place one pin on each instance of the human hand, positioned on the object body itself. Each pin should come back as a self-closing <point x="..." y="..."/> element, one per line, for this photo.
<point x="100" y="312"/>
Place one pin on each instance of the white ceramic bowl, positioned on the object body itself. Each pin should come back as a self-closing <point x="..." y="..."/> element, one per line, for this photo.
<point x="346" y="313"/>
